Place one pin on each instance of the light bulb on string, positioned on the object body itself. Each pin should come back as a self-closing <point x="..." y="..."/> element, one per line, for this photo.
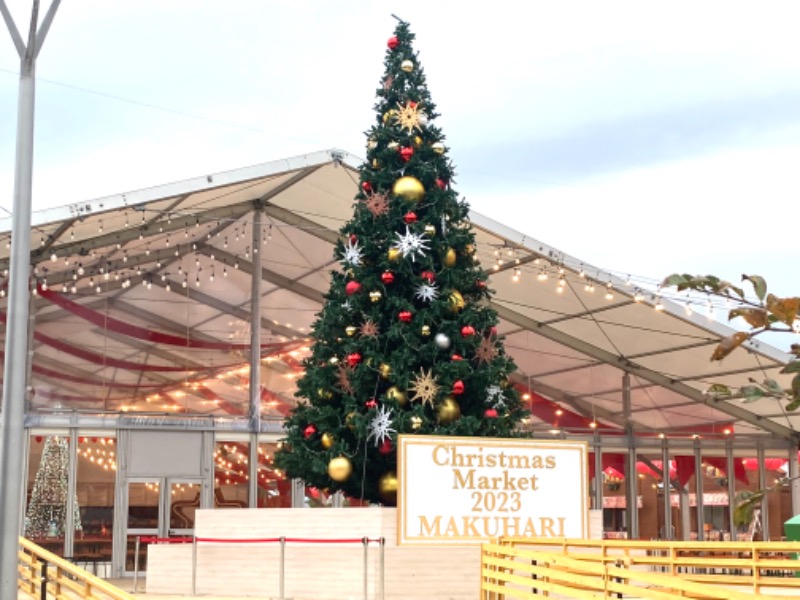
<point x="688" y="309"/>
<point x="638" y="296"/>
<point x="53" y="257"/>
<point x="542" y="276"/>
<point x="609" y="291"/>
<point x="659" y="306"/>
<point x="515" y="277"/>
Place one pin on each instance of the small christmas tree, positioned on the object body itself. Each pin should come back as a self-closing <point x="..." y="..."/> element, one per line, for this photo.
<point x="405" y="342"/>
<point x="47" y="511"/>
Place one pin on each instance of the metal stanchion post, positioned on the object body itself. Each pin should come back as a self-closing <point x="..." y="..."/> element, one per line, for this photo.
<point x="136" y="566"/>
<point x="382" y="567"/>
<point x="283" y="564"/>
<point x="43" y="588"/>
<point x="365" y="541"/>
<point x="194" y="565"/>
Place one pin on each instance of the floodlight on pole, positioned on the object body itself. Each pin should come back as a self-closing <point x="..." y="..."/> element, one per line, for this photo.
<point x="12" y="417"/>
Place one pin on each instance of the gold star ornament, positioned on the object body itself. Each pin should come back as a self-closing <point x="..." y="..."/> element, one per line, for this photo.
<point x="424" y="387"/>
<point x="409" y="116"/>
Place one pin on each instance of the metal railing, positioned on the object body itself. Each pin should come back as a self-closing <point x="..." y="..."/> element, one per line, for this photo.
<point x="44" y="575"/>
<point x="525" y="568"/>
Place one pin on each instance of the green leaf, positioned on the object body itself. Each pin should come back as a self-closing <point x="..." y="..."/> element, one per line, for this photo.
<point x="759" y="285"/>
<point x="674" y="279"/>
<point x="724" y="286"/>
<point x="719" y="390"/>
<point x="796" y="385"/>
<point x="751" y="393"/>
<point x="773" y="386"/>
<point x="793" y="405"/>
<point x="755" y="317"/>
<point x="792" y="367"/>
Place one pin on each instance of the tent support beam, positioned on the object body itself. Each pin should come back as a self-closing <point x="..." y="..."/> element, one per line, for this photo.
<point x="641" y="372"/>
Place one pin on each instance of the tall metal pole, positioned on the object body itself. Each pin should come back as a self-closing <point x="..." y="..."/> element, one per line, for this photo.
<point x="255" y="326"/>
<point x="12" y="419"/>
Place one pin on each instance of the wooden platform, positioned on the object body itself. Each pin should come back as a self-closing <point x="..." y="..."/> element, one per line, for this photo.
<point x="312" y="571"/>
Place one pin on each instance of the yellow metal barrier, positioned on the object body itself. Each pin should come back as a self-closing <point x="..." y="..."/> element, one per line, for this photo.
<point x="523" y="568"/>
<point x="62" y="580"/>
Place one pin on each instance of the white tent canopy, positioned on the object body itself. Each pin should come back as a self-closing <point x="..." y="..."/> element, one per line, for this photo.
<point x="144" y="304"/>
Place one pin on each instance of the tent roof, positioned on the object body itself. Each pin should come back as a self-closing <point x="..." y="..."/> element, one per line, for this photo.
<point x="144" y="307"/>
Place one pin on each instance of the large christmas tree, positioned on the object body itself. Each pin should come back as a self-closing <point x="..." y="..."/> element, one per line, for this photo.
<point x="405" y="343"/>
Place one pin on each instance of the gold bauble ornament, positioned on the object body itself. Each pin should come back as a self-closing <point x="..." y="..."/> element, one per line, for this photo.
<point x="407" y="66"/>
<point x="469" y="249"/>
<point x="416" y="422"/>
<point x="375" y="296"/>
<point x="426" y="331"/>
<point x="438" y="147"/>
<point x="327" y="441"/>
<point x="324" y="394"/>
<point x="409" y="188"/>
<point x="349" y="420"/>
<point x="417" y="141"/>
<point x="385" y="370"/>
<point x="430" y="230"/>
<point x="392" y="145"/>
<point x="350" y="330"/>
<point x="372" y="144"/>
<point x="389" y="115"/>
<point x="450" y="258"/>
<point x="455" y="301"/>
<point x="376" y="163"/>
<point x="340" y="468"/>
<point x="396" y="394"/>
<point x="333" y="360"/>
<point x="387" y="488"/>
<point x="449" y="410"/>
<point x="393" y="254"/>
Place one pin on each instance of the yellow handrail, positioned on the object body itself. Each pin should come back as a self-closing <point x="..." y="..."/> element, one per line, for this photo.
<point x="523" y="568"/>
<point x="62" y="576"/>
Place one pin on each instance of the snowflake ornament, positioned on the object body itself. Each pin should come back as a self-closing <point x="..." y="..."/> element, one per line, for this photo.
<point x="426" y="292"/>
<point x="352" y="253"/>
<point x="346" y="306"/>
<point x="380" y="427"/>
<point x="377" y="204"/>
<point x="409" y="117"/>
<point x="411" y="244"/>
<point x="494" y="396"/>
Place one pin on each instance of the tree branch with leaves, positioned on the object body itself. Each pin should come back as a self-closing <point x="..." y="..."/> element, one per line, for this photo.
<point x="764" y="313"/>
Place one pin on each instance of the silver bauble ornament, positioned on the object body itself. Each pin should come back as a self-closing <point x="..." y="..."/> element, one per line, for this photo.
<point x="442" y="341"/>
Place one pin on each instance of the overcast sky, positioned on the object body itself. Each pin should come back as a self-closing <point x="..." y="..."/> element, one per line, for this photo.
<point x="641" y="137"/>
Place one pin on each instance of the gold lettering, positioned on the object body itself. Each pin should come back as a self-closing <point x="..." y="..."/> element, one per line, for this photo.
<point x="452" y="528"/>
<point x="442" y="462"/>
<point x="426" y="528"/>
<point x="530" y="530"/>
<point x="550" y="461"/>
<point x="463" y="481"/>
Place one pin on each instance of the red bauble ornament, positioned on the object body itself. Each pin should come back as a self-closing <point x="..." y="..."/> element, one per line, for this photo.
<point x="406" y="152"/>
<point x="387" y="277"/>
<point x="81" y="440"/>
<point x="385" y="447"/>
<point x="490" y="413"/>
<point x="428" y="276"/>
<point x="39" y="439"/>
<point x="353" y="359"/>
<point x="352" y="287"/>
<point x="410" y="217"/>
<point x="366" y="186"/>
<point x="353" y="238"/>
<point x="480" y="284"/>
<point x="405" y="316"/>
<point x="371" y="403"/>
<point x="493" y="331"/>
<point x="393" y="42"/>
<point x="441" y="183"/>
<point x="456" y="357"/>
<point x="458" y="387"/>
<point x="309" y="431"/>
<point x="94" y="440"/>
<point x="467" y="330"/>
<point x="412" y="104"/>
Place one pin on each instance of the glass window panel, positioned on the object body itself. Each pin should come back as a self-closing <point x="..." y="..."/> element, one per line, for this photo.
<point x="97" y="471"/>
<point x="46" y="507"/>
<point x="274" y="489"/>
<point x="231" y="464"/>
<point x="184" y="500"/>
<point x="143" y="505"/>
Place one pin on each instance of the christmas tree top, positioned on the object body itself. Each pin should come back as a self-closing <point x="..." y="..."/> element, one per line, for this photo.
<point x="405" y="343"/>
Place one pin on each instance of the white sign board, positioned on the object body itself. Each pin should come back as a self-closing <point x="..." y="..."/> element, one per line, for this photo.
<point x="463" y="490"/>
